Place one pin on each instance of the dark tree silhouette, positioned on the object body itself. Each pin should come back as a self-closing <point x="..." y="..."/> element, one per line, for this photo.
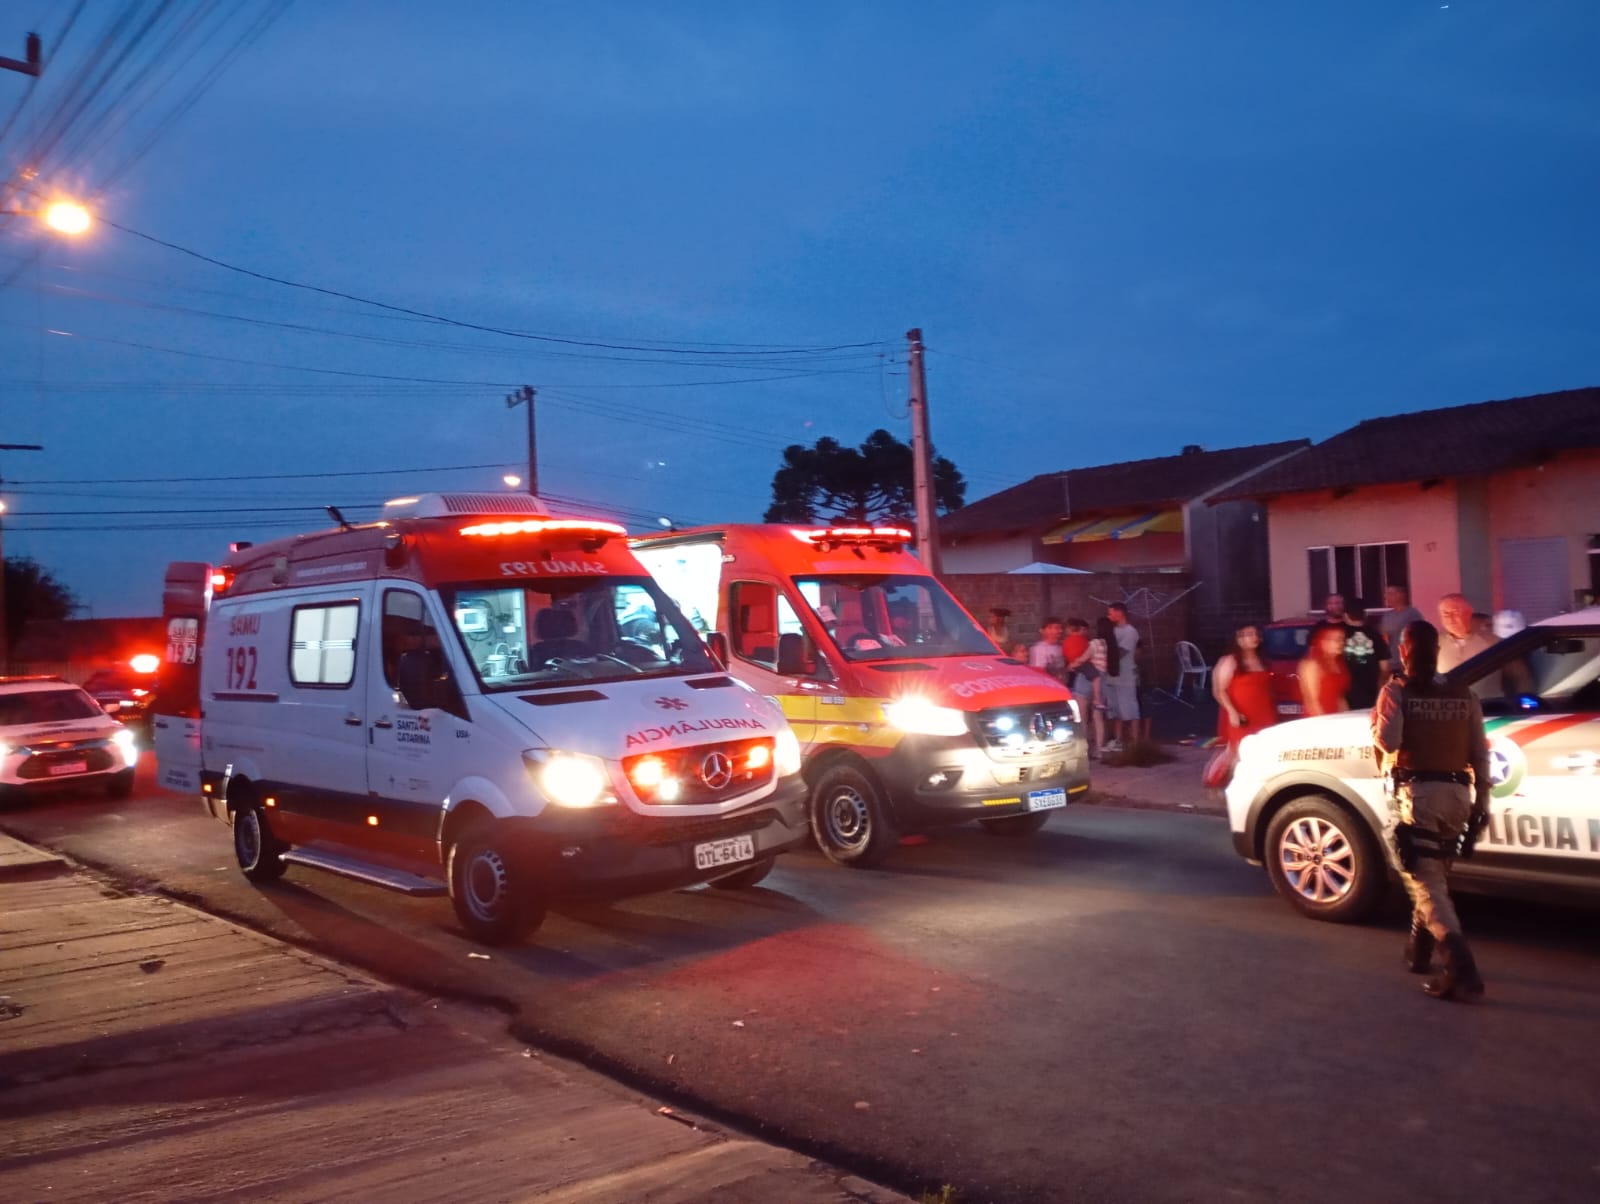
<point x="32" y="592"/>
<point x="870" y="483"/>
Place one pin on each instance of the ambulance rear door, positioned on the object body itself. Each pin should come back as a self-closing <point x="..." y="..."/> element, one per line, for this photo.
<point x="185" y="598"/>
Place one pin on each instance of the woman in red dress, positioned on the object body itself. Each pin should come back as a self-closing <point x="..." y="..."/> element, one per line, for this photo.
<point x="1324" y="675"/>
<point x="1243" y="689"/>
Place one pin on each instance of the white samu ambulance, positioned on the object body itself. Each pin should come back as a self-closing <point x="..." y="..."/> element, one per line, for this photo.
<point x="1307" y="800"/>
<point x="909" y="716"/>
<point x="471" y="696"/>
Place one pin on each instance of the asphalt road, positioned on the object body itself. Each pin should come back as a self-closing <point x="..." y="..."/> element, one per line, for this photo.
<point x="1119" y="1009"/>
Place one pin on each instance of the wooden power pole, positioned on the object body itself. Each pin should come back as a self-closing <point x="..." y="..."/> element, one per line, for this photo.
<point x="923" y="493"/>
<point x="525" y="396"/>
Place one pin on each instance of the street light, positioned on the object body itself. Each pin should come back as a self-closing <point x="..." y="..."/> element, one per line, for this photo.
<point x="512" y="480"/>
<point x="62" y="216"/>
<point x="67" y="217"/>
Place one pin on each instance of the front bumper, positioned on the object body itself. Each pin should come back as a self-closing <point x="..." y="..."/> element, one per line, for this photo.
<point x="63" y="765"/>
<point x="611" y="853"/>
<point x="934" y="780"/>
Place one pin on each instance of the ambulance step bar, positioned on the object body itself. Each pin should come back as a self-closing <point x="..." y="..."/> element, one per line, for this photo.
<point x="365" y="871"/>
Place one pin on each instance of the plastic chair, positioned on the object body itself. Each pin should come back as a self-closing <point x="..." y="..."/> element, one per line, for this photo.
<point x="1192" y="664"/>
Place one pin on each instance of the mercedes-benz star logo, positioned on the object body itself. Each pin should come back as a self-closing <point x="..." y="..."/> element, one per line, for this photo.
<point x="716" y="770"/>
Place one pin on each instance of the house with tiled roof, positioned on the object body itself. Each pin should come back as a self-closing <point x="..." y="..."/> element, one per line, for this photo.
<point x="1140" y="515"/>
<point x="1498" y="500"/>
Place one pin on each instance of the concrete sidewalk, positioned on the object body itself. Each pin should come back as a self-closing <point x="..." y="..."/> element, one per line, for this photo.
<point x="149" y="1051"/>
<point x="1173" y="785"/>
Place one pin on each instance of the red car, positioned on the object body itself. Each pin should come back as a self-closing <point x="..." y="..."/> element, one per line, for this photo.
<point x="1283" y="644"/>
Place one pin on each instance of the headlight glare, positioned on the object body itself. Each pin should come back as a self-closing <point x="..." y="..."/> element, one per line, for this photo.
<point x="570" y="779"/>
<point x="917" y="716"/>
<point x="786" y="752"/>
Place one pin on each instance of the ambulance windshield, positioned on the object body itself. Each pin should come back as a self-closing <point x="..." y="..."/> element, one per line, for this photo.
<point x="572" y="630"/>
<point x="880" y="616"/>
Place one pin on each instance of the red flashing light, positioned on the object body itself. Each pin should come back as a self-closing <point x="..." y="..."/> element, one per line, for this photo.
<point x="836" y="535"/>
<point x="145" y="662"/>
<point x="221" y="579"/>
<point x="543" y="526"/>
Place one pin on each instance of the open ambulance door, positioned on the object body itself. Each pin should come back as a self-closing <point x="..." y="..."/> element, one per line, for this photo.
<point x="185" y="598"/>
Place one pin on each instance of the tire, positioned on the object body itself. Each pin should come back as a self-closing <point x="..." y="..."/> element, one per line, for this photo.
<point x="491" y="893"/>
<point x="1016" y="826"/>
<point x="850" y="818"/>
<point x="120" y="785"/>
<point x="747" y="877"/>
<point x="1325" y="860"/>
<point x="258" y="851"/>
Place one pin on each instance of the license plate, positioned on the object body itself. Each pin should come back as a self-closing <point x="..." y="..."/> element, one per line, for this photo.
<point x="731" y="851"/>
<point x="1046" y="800"/>
<point x="1290" y="708"/>
<point x="65" y="767"/>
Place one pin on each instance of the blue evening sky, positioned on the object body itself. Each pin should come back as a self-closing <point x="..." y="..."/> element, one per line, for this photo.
<point x="1123" y="227"/>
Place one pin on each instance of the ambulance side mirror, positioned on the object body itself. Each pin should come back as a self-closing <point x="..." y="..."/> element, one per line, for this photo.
<point x="717" y="642"/>
<point x="419" y="679"/>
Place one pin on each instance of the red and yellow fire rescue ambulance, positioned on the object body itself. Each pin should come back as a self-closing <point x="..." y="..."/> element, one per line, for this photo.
<point x="908" y="715"/>
<point x="471" y="696"/>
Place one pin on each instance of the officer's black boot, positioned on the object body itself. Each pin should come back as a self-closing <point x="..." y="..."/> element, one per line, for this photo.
<point x="1460" y="978"/>
<point x="1419" y="947"/>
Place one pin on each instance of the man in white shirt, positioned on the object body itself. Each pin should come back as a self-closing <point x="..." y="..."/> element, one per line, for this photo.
<point x="1121" y="689"/>
<point x="1460" y="640"/>
<point x="1047" y="654"/>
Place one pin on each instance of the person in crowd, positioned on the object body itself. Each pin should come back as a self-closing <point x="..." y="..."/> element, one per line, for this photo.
<point x="1046" y="653"/>
<point x="1086" y="666"/>
<point x="1460" y="639"/>
<point x="999" y="626"/>
<point x="1429" y="734"/>
<point x="1333" y="609"/>
<point x="1122" y="678"/>
<point x="1243" y="689"/>
<point x="1398" y="599"/>
<point x="1365" y="655"/>
<point x="1102" y="653"/>
<point x="1324" y="677"/>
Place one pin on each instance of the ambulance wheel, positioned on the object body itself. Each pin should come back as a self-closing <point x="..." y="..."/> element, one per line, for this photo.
<point x="747" y="877"/>
<point x="491" y="892"/>
<point x="1015" y="826"/>
<point x="1324" y="860"/>
<point x="258" y="851"/>
<point x="850" y="818"/>
<point x="120" y="785"/>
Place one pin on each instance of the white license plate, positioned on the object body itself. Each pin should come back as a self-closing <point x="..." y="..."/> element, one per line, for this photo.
<point x="731" y="851"/>
<point x="66" y="767"/>
<point x="1046" y="800"/>
<point x="1290" y="708"/>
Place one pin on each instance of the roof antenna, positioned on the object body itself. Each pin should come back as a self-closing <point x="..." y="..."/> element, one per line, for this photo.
<point x="344" y="523"/>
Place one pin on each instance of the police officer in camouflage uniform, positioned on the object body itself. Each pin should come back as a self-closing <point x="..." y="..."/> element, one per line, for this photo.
<point x="1430" y="736"/>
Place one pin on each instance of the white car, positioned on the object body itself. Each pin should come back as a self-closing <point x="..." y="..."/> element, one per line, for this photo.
<point x="1307" y="800"/>
<point x="53" y="735"/>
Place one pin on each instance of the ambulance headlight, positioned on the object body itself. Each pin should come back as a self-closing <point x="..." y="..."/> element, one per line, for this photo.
<point x="786" y="752"/>
<point x="570" y="779"/>
<point x="128" y="743"/>
<point x="916" y="716"/>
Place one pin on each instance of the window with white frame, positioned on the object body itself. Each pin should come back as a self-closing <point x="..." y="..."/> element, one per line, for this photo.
<point x="1361" y="572"/>
<point x="322" y="644"/>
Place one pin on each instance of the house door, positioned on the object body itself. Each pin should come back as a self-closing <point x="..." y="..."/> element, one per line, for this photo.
<point x="1533" y="577"/>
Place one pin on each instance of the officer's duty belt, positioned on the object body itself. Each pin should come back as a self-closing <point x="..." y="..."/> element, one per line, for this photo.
<point x="1459" y="778"/>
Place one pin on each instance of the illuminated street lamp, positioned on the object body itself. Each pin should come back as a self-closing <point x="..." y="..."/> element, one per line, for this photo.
<point x="512" y="480"/>
<point x="67" y="217"/>
<point x="63" y="216"/>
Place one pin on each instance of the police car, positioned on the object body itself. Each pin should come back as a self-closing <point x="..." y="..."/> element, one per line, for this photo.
<point x="1307" y="800"/>
<point x="53" y="735"/>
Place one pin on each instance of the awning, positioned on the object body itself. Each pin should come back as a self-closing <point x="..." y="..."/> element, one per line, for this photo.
<point x="1122" y="526"/>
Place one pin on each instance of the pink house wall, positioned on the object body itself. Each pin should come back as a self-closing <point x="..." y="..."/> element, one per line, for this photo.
<point x="1427" y="519"/>
<point x="1560" y="499"/>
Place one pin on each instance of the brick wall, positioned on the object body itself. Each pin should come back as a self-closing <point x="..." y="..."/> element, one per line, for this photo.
<point x="1032" y="597"/>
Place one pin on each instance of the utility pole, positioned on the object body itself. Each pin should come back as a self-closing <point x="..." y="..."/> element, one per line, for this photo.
<point x="31" y="65"/>
<point x="5" y="642"/>
<point x="524" y="396"/>
<point x="922" y="461"/>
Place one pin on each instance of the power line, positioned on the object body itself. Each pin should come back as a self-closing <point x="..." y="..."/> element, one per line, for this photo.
<point x="275" y="476"/>
<point x="483" y="327"/>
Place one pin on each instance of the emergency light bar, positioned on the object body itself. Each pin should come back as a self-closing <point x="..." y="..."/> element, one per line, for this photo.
<point x="842" y="535"/>
<point x="540" y="526"/>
